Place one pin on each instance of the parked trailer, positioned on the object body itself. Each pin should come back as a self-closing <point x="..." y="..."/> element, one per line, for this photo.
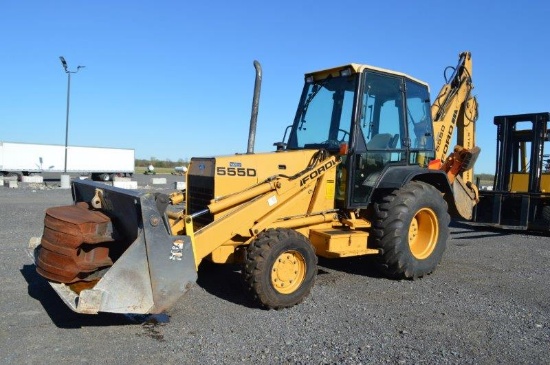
<point x="98" y="162"/>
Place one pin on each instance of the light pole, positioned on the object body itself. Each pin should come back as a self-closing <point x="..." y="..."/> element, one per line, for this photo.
<point x="68" y="72"/>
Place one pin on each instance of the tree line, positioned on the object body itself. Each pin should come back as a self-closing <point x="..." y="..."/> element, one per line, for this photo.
<point x="484" y="177"/>
<point x="160" y="163"/>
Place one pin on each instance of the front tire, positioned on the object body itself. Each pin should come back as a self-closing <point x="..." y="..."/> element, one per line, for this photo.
<point x="411" y="229"/>
<point x="280" y="268"/>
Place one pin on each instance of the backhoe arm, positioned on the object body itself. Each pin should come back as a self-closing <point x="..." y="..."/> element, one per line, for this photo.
<point x="455" y="110"/>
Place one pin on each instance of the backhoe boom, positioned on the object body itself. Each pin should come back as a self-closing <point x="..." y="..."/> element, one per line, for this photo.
<point x="454" y="110"/>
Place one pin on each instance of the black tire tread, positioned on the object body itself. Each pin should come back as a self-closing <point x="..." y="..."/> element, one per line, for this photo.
<point x="390" y="230"/>
<point x="257" y="265"/>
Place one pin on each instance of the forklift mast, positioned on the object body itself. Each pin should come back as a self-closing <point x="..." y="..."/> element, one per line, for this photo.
<point x="520" y="195"/>
<point x="520" y="151"/>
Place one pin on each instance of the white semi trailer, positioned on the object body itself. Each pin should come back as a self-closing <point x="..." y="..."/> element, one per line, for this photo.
<point x="97" y="162"/>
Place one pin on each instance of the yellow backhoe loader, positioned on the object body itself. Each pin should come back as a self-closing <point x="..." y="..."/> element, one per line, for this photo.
<point x="363" y="170"/>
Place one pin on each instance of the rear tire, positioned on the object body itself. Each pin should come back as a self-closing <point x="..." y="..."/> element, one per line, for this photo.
<point x="280" y="268"/>
<point x="411" y="229"/>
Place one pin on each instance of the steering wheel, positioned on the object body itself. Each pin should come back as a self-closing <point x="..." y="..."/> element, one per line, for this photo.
<point x="332" y="143"/>
<point x="345" y="133"/>
<point x="335" y="143"/>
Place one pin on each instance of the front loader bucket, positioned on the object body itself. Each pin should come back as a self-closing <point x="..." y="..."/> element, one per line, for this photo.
<point x="118" y="257"/>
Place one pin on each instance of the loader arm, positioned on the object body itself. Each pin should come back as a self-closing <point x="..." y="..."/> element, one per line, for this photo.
<point x="271" y="203"/>
<point x="454" y="110"/>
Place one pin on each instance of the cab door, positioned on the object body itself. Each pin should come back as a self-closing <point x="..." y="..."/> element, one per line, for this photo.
<point x="380" y="135"/>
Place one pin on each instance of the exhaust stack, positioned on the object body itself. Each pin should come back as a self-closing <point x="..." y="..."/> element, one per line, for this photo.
<point x="255" y="106"/>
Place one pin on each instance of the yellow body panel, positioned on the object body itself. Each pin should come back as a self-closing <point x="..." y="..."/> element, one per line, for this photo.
<point x="227" y="254"/>
<point x="237" y="172"/>
<point x="519" y="182"/>
<point x="338" y="242"/>
<point x="273" y="190"/>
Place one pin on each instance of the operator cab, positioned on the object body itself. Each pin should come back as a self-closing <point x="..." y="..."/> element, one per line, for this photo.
<point x="371" y="117"/>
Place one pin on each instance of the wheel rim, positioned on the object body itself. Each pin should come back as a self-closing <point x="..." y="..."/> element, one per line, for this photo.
<point x="288" y="272"/>
<point x="423" y="233"/>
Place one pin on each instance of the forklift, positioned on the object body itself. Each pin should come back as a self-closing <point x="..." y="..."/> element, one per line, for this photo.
<point x="520" y="196"/>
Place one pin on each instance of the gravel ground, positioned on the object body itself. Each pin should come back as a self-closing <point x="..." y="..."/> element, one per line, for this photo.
<point x="487" y="303"/>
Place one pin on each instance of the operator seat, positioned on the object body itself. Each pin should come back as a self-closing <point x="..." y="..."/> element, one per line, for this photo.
<point x="378" y="143"/>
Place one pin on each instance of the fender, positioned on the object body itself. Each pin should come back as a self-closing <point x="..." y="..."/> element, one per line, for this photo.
<point x="397" y="176"/>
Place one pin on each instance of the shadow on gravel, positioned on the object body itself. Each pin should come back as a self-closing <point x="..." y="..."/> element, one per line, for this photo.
<point x="488" y="231"/>
<point x="225" y="282"/>
<point x="361" y="265"/>
<point x="63" y="317"/>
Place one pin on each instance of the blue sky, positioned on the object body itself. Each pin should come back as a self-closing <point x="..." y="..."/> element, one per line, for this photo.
<point x="174" y="79"/>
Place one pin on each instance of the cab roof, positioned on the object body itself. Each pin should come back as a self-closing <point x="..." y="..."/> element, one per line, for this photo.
<point x="356" y="68"/>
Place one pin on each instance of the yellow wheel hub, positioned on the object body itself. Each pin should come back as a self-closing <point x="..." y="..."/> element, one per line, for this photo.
<point x="288" y="272"/>
<point x="423" y="233"/>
